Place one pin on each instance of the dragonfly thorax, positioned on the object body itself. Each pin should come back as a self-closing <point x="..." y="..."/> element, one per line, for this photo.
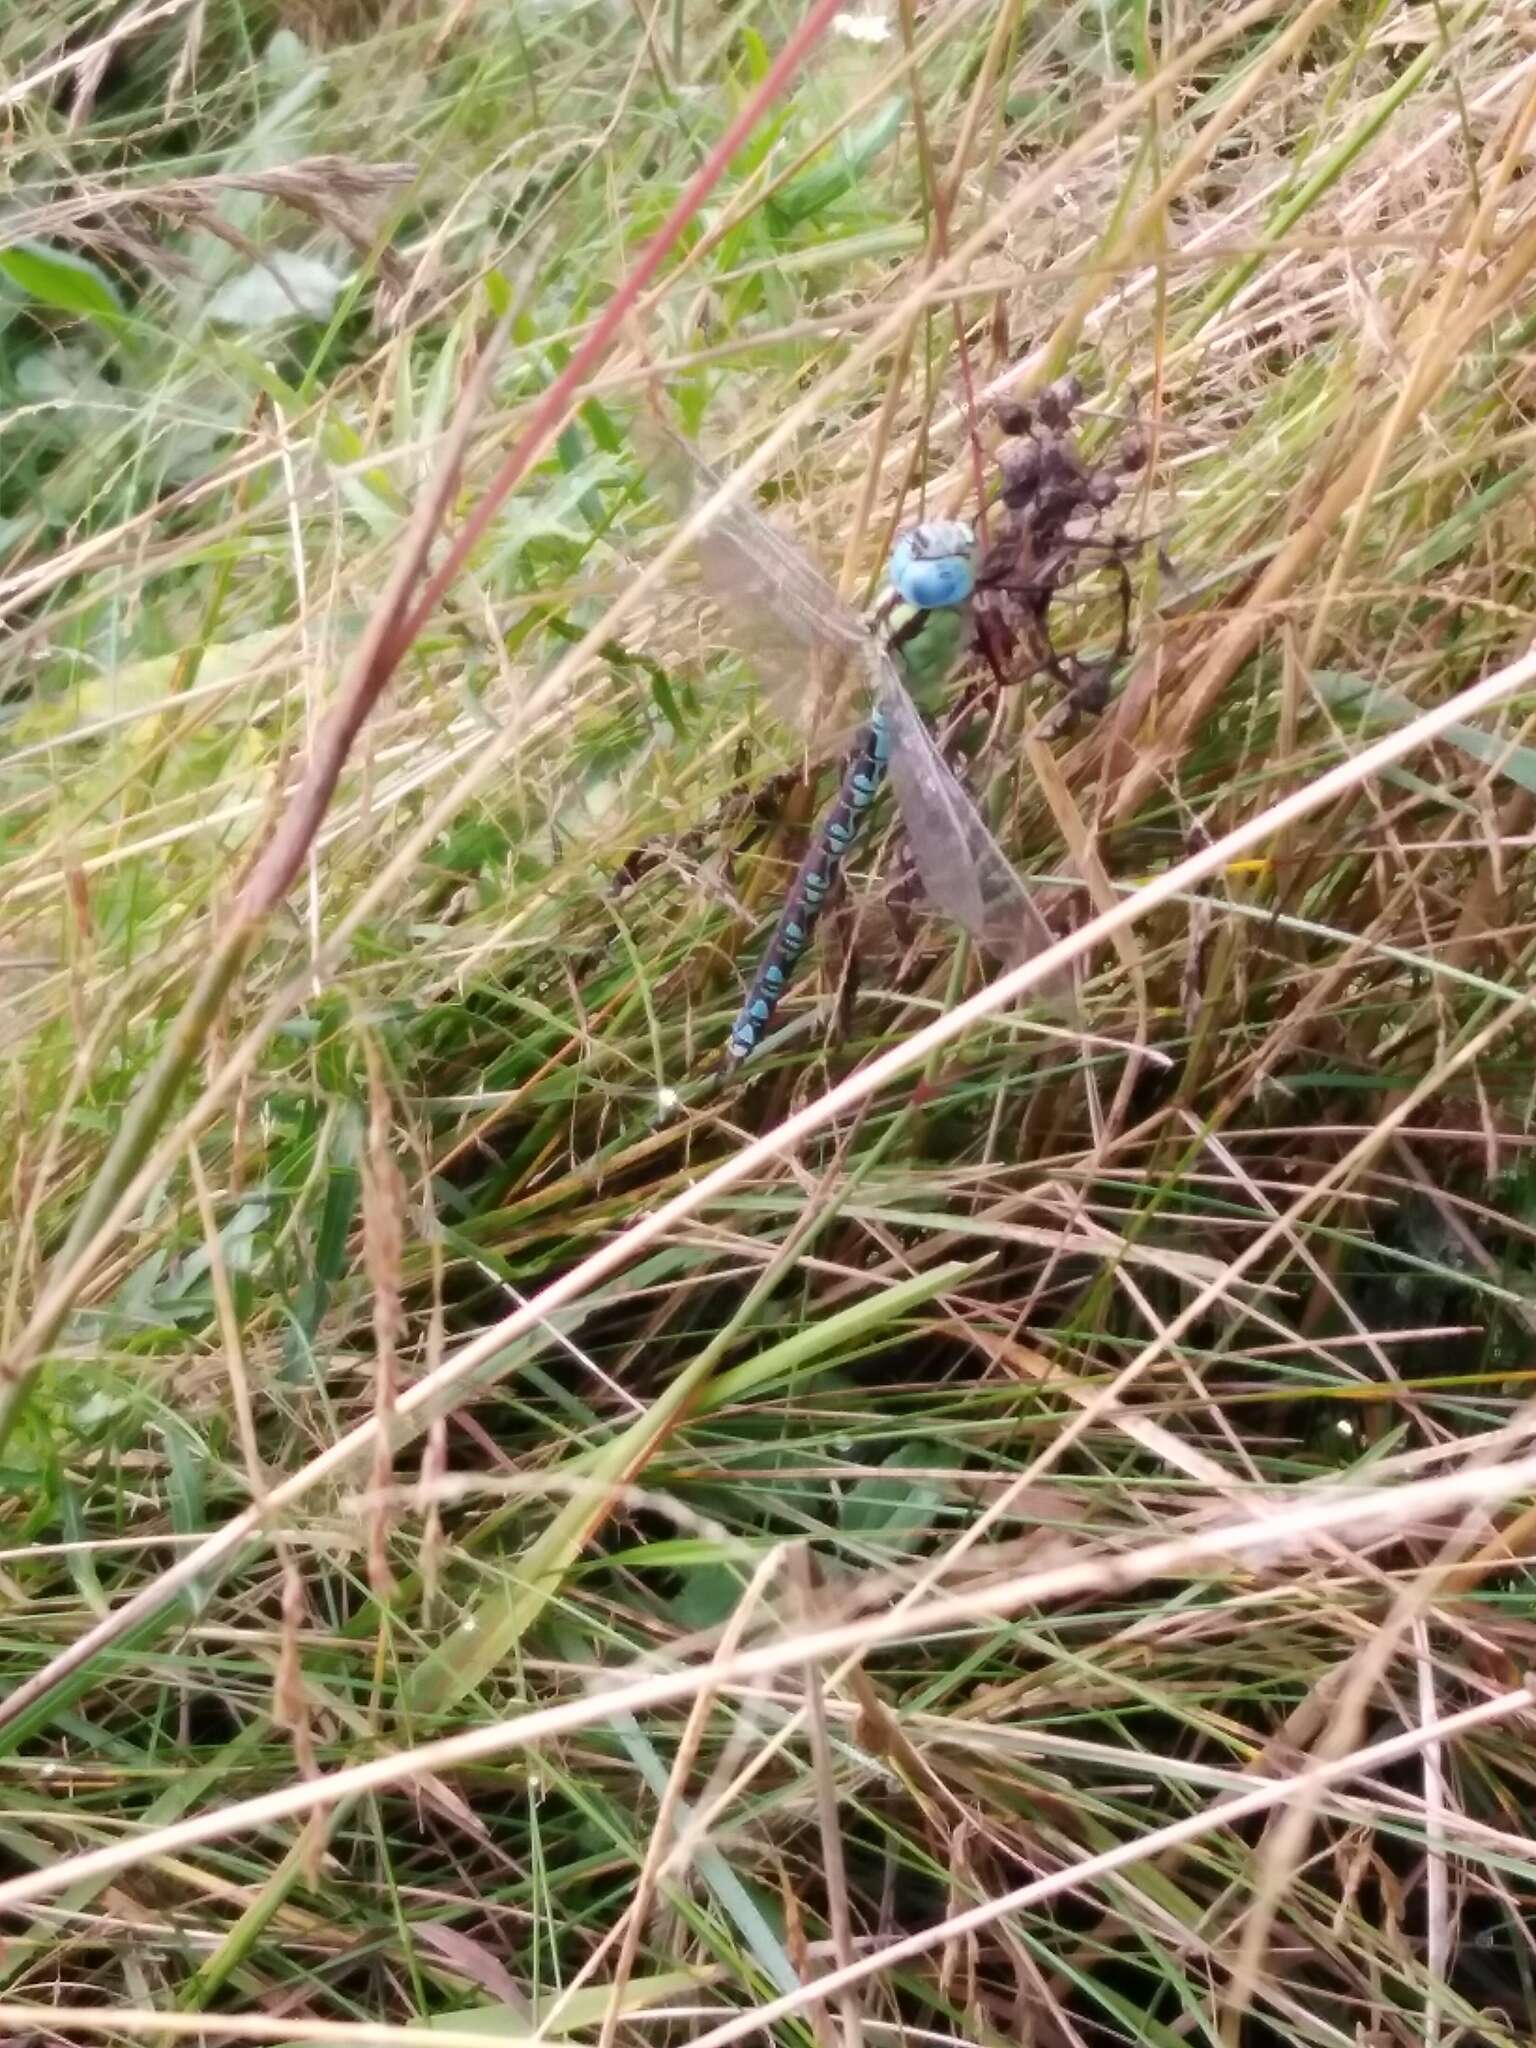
<point x="934" y="565"/>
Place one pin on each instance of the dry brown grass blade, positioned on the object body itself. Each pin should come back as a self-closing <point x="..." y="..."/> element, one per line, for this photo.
<point x="427" y="1395"/>
<point x="378" y="653"/>
<point x="664" y="1844"/>
<point x="1444" y="347"/>
<point x="828" y="1818"/>
<point x="526" y="1025"/>
<point x="86" y="60"/>
<point x="264" y="888"/>
<point x="1295" y="1529"/>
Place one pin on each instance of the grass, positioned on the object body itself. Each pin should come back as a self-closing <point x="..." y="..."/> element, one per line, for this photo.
<point x="979" y="1530"/>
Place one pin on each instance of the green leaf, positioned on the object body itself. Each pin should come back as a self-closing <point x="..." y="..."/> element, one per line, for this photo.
<point x="489" y="1631"/>
<point x="821" y="1345"/>
<point x="754" y="1912"/>
<point x="755" y="52"/>
<point x="666" y="703"/>
<point x="893" y="1505"/>
<point x="498" y="294"/>
<point x="63" y="280"/>
<point x="1374" y="704"/>
<point x="571" y="2012"/>
<point x="824" y="183"/>
<point x="185" y="1491"/>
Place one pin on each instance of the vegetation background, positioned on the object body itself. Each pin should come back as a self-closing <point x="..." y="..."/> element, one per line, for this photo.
<point x="1033" y="1553"/>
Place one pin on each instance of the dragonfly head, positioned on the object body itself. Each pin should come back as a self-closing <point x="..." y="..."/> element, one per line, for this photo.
<point x="934" y="564"/>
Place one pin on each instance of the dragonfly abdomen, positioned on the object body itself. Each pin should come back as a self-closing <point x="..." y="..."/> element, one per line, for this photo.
<point x="812" y="885"/>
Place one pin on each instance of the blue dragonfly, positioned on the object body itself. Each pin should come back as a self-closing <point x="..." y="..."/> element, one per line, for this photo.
<point x="809" y="647"/>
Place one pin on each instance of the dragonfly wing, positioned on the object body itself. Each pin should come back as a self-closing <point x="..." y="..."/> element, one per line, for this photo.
<point x="964" y="872"/>
<point x="785" y="617"/>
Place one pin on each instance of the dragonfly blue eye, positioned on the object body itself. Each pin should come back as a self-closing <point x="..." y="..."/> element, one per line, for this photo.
<point x="934" y="564"/>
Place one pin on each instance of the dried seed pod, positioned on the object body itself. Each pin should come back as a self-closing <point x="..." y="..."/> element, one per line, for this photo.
<point x="1059" y="401"/>
<point x="1050" y="537"/>
<point x="1064" y="463"/>
<point x="1056" y="506"/>
<point x="1021" y="468"/>
<point x="1001" y="552"/>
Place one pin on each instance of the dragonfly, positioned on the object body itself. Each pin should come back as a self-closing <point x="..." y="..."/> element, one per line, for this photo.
<point x="812" y="651"/>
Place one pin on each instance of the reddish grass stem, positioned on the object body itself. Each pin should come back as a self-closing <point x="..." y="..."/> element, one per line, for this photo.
<point x="390" y="632"/>
<point x="396" y="623"/>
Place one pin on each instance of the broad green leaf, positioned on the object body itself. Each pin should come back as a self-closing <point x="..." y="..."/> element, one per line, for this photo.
<point x="63" y="280"/>
<point x="839" y="173"/>
<point x="895" y="1504"/>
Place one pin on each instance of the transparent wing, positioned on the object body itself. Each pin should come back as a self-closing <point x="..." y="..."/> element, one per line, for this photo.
<point x="964" y="872"/>
<point x="803" y="640"/>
